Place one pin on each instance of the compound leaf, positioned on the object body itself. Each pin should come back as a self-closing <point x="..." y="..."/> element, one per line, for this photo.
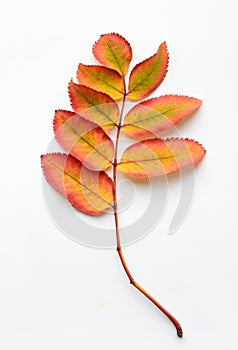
<point x="156" y="157"/>
<point x="147" y="75"/>
<point x="113" y="51"/>
<point x="88" y="191"/>
<point x="156" y="115"/>
<point x="102" y="79"/>
<point x="83" y="139"/>
<point x="93" y="105"/>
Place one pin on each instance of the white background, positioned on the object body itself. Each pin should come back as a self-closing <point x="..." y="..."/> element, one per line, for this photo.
<point x="57" y="294"/>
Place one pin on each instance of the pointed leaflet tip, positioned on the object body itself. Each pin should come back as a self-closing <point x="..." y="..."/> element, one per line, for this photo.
<point x="147" y="75"/>
<point x="156" y="157"/>
<point x="113" y="51"/>
<point x="88" y="191"/>
<point x="150" y="117"/>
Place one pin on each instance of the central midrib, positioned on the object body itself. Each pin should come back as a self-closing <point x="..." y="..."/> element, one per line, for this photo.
<point x="86" y="141"/>
<point x="98" y="109"/>
<point x="114" y="56"/>
<point x="151" y="159"/>
<point x="151" y="117"/>
<point x="141" y="82"/>
<point x="105" y="82"/>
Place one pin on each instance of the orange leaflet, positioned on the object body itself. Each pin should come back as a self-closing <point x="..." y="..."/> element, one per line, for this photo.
<point x="158" y="114"/>
<point x="88" y="191"/>
<point x="158" y="157"/>
<point x="102" y="79"/>
<point x="113" y="51"/>
<point x="93" y="105"/>
<point x="149" y="74"/>
<point x="83" y="139"/>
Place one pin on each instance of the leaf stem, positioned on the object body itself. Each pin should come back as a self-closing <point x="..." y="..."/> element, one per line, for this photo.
<point x="115" y="209"/>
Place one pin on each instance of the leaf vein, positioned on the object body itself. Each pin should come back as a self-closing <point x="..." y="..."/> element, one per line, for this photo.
<point x="85" y="140"/>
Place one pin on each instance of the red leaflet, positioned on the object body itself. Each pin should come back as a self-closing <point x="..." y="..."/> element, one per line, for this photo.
<point x="88" y="191"/>
<point x="101" y="79"/>
<point x="113" y="51"/>
<point x="149" y="74"/>
<point x="158" y="157"/>
<point x="93" y="105"/>
<point x="158" y="114"/>
<point x="83" y="139"/>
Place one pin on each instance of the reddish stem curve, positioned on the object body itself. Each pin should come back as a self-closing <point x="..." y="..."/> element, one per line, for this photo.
<point x="119" y="249"/>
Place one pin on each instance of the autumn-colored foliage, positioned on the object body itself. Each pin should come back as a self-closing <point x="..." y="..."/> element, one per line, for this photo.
<point x="80" y="174"/>
<point x="155" y="157"/>
<point x="88" y="191"/>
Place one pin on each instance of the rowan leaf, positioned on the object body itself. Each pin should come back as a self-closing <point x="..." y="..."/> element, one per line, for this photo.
<point x="88" y="191"/>
<point x="80" y="175"/>
<point x="102" y="79"/>
<point x="156" y="157"/>
<point x="147" y="75"/>
<point x="156" y="115"/>
<point x="83" y="139"/>
<point x="93" y="105"/>
<point x="113" y="51"/>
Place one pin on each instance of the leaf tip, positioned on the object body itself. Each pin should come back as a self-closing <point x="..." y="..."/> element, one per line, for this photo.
<point x="164" y="49"/>
<point x="113" y="51"/>
<point x="199" y="102"/>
